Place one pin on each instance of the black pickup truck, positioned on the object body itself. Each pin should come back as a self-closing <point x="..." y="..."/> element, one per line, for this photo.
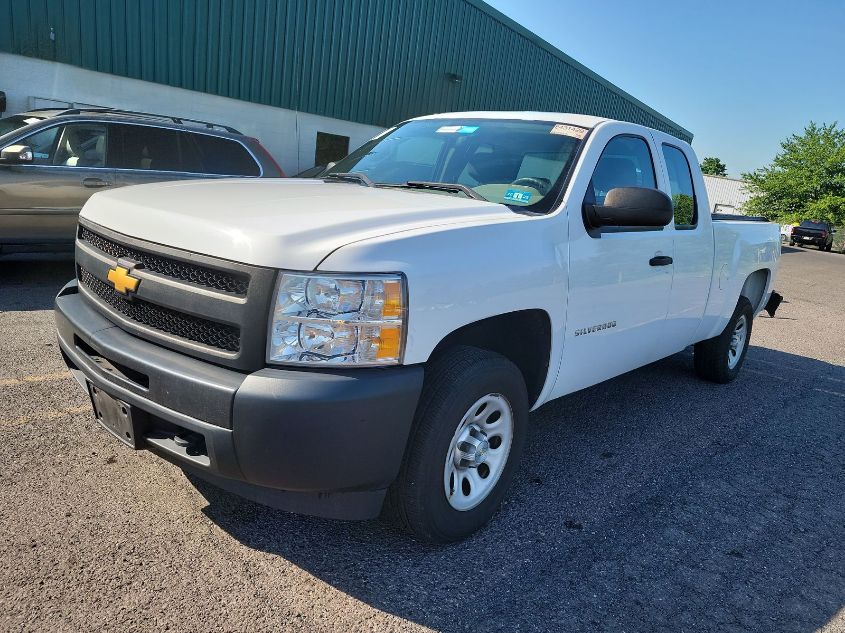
<point x="813" y="232"/>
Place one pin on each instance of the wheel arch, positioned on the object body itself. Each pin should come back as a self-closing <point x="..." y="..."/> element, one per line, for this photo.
<point x="754" y="288"/>
<point x="524" y="337"/>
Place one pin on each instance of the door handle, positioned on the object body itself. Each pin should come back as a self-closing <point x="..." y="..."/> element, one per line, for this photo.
<point x="660" y="260"/>
<point x="95" y="183"/>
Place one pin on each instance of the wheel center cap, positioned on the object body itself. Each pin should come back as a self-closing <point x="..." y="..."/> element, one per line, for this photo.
<point x="481" y="452"/>
<point x="472" y="447"/>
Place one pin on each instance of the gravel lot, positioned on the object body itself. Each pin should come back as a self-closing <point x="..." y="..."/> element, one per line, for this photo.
<point x="651" y="502"/>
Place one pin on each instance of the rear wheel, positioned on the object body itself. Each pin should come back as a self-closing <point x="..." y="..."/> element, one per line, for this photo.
<point x="829" y="246"/>
<point x="720" y="358"/>
<point x="469" y="432"/>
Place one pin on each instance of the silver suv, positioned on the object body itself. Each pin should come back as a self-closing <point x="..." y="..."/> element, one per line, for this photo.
<point x="52" y="161"/>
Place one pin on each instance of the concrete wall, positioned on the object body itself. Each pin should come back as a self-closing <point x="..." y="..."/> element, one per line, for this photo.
<point x="726" y="195"/>
<point x="288" y="135"/>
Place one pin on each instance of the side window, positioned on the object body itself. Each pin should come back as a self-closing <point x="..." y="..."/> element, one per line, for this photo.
<point x="625" y="162"/>
<point x="224" y="157"/>
<point x="148" y="148"/>
<point x="43" y="145"/>
<point x="190" y="153"/>
<point x="81" y="145"/>
<point x="680" y="184"/>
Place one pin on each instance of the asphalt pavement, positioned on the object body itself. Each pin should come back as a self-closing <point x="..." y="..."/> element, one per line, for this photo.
<point x="652" y="502"/>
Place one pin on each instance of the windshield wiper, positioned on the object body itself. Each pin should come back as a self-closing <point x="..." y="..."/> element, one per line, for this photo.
<point x="438" y="186"/>
<point x="350" y="177"/>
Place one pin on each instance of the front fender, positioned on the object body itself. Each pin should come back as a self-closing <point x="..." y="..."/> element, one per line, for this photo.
<point x="460" y="274"/>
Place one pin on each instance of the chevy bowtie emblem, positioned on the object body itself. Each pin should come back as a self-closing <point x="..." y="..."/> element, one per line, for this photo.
<point x="121" y="278"/>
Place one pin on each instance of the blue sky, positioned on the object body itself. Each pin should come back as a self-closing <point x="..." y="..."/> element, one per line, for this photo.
<point x="741" y="76"/>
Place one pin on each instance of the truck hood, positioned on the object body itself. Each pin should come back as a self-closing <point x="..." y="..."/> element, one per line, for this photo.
<point x="278" y="223"/>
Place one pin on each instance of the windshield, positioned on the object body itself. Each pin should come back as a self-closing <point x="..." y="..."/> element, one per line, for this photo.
<point x="518" y="163"/>
<point x="16" y="122"/>
<point x="813" y="224"/>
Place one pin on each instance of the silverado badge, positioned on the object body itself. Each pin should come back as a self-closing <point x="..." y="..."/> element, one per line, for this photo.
<point x="121" y="277"/>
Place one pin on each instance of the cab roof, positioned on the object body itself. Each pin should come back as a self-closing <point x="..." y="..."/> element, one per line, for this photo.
<point x="583" y="120"/>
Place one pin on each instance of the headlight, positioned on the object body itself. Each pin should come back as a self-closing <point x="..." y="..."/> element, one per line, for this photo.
<point x="337" y="319"/>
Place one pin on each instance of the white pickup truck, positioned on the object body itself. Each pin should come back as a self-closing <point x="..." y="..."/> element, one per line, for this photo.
<point x="374" y="339"/>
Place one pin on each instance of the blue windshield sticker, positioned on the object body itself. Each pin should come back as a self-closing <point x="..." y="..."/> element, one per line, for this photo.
<point x="467" y="129"/>
<point x="41" y="155"/>
<point x="517" y="196"/>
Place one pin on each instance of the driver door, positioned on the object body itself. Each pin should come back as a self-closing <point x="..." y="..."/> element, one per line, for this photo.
<point x="40" y="201"/>
<point x="620" y="278"/>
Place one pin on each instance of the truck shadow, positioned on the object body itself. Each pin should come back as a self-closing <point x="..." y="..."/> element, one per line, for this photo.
<point x="653" y="501"/>
<point x="32" y="282"/>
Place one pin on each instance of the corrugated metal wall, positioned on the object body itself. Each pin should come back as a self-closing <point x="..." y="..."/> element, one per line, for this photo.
<point x="370" y="61"/>
<point x="726" y="192"/>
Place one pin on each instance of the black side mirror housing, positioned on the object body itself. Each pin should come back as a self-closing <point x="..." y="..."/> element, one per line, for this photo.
<point x="631" y="206"/>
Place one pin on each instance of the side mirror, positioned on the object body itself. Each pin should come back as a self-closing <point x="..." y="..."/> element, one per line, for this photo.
<point x="16" y="154"/>
<point x="631" y="206"/>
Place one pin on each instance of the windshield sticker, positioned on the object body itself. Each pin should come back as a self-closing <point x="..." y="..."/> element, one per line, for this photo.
<point x="568" y="130"/>
<point x="517" y="196"/>
<point x="40" y="155"/>
<point x="31" y="120"/>
<point x="457" y="129"/>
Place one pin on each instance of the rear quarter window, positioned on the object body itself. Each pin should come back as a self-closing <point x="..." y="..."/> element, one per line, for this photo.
<point x="223" y="156"/>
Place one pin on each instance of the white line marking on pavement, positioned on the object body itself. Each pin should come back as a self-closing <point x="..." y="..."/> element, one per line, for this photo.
<point x="12" y="382"/>
<point x="833" y="393"/>
<point x="45" y="415"/>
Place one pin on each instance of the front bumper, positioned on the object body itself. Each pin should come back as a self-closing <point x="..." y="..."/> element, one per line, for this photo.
<point x="327" y="443"/>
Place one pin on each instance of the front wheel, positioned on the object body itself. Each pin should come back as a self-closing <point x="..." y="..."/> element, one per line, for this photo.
<point x="720" y="358"/>
<point x="469" y="432"/>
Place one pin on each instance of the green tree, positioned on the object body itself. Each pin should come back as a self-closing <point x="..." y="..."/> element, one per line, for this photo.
<point x="713" y="166"/>
<point x="806" y="180"/>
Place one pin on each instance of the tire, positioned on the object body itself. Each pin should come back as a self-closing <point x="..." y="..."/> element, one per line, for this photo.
<point x="713" y="358"/>
<point x="828" y="247"/>
<point x="792" y="244"/>
<point x="418" y="501"/>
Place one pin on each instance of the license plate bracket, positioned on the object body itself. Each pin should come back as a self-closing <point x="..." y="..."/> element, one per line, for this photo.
<point x="120" y="419"/>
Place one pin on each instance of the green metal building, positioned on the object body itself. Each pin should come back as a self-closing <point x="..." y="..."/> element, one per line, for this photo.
<point x="368" y="62"/>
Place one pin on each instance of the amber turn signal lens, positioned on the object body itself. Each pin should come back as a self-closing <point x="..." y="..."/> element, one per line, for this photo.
<point x="392" y="300"/>
<point x="389" y="343"/>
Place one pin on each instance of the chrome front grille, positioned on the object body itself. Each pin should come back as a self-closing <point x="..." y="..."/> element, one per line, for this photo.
<point x="203" y="306"/>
